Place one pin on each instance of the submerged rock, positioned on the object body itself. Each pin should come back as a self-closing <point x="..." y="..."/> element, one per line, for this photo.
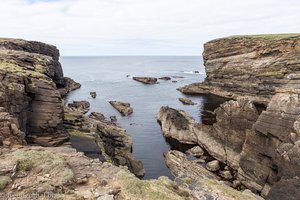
<point x="186" y="101"/>
<point x="146" y="80"/>
<point x="165" y="78"/>
<point x="93" y="94"/>
<point x="113" y="118"/>
<point x="123" y="108"/>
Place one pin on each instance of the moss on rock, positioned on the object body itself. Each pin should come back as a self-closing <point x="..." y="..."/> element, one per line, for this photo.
<point x="4" y="181"/>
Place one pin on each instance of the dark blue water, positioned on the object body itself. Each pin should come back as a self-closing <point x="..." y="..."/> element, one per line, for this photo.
<point x="107" y="76"/>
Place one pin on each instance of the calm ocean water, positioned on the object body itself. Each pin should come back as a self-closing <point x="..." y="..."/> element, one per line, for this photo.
<point x="108" y="77"/>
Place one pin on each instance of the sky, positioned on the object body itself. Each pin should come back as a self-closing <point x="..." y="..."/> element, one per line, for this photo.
<point x="142" y="27"/>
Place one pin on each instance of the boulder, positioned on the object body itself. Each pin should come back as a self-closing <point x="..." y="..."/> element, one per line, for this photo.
<point x="123" y="108"/>
<point x="226" y="174"/>
<point x="202" y="182"/>
<point x="186" y="101"/>
<point x="196" y="151"/>
<point x="213" y="166"/>
<point x="146" y="80"/>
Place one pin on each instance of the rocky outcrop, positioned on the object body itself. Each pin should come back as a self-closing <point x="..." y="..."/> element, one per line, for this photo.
<point x="186" y="101"/>
<point x="249" y="65"/>
<point x="203" y="184"/>
<point x="145" y="80"/>
<point x="255" y="131"/>
<point x="123" y="108"/>
<point x="64" y="173"/>
<point x="110" y="142"/>
<point x="31" y="84"/>
<point x="80" y="106"/>
<point x="11" y="134"/>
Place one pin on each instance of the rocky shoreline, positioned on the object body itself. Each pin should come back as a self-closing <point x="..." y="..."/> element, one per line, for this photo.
<point x="247" y="143"/>
<point x="255" y="130"/>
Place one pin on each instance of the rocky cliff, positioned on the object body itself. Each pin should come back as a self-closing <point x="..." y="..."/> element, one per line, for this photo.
<point x="249" y="65"/>
<point x="255" y="131"/>
<point x="32" y="85"/>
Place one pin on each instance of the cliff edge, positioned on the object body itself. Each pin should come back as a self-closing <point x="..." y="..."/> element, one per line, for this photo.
<point x="32" y="85"/>
<point x="255" y="130"/>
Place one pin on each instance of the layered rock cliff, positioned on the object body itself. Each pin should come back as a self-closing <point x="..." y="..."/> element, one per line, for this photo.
<point x="32" y="85"/>
<point x="249" y="65"/>
<point x="255" y="131"/>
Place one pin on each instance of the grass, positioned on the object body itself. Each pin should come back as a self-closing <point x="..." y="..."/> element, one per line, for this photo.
<point x="225" y="190"/>
<point x="277" y="74"/>
<point x="267" y="36"/>
<point x="78" y="133"/>
<point x="4" y="181"/>
<point x="150" y="189"/>
<point x="43" y="162"/>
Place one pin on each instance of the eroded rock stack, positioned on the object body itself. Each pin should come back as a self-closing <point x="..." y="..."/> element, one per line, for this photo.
<point x="256" y="130"/>
<point x="31" y="80"/>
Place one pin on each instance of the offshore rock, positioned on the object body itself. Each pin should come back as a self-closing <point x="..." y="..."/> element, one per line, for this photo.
<point x="146" y="80"/>
<point x="186" y="101"/>
<point x="123" y="108"/>
<point x="112" y="141"/>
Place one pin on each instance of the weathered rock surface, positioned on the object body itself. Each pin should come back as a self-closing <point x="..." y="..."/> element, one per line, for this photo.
<point x="266" y="62"/>
<point x="113" y="142"/>
<point x="80" y="106"/>
<point x="123" y="108"/>
<point x="196" y="151"/>
<point x="202" y="183"/>
<point x="256" y="130"/>
<point x="30" y="89"/>
<point x="64" y="173"/>
<point x="10" y="133"/>
<point x="145" y="80"/>
<point x="186" y="101"/>
<point x="213" y="165"/>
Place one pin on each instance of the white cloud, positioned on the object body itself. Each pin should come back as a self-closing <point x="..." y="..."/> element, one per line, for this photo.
<point x="142" y="27"/>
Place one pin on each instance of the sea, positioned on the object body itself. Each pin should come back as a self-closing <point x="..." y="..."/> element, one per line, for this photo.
<point x="111" y="78"/>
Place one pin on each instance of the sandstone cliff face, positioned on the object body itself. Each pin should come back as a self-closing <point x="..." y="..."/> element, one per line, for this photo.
<point x="30" y="76"/>
<point x="250" y="65"/>
<point x="256" y="131"/>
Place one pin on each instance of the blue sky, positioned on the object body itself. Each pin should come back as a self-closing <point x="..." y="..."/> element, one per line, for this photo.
<point x="142" y="27"/>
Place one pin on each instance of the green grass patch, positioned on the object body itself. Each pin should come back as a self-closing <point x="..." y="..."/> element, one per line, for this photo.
<point x="150" y="189"/>
<point x="4" y="181"/>
<point x="267" y="36"/>
<point x="44" y="162"/>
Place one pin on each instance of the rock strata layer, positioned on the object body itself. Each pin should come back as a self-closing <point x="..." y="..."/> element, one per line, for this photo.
<point x="249" y="65"/>
<point x="31" y="89"/>
<point x="255" y="131"/>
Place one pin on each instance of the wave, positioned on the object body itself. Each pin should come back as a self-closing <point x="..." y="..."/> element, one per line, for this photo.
<point x="192" y="72"/>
